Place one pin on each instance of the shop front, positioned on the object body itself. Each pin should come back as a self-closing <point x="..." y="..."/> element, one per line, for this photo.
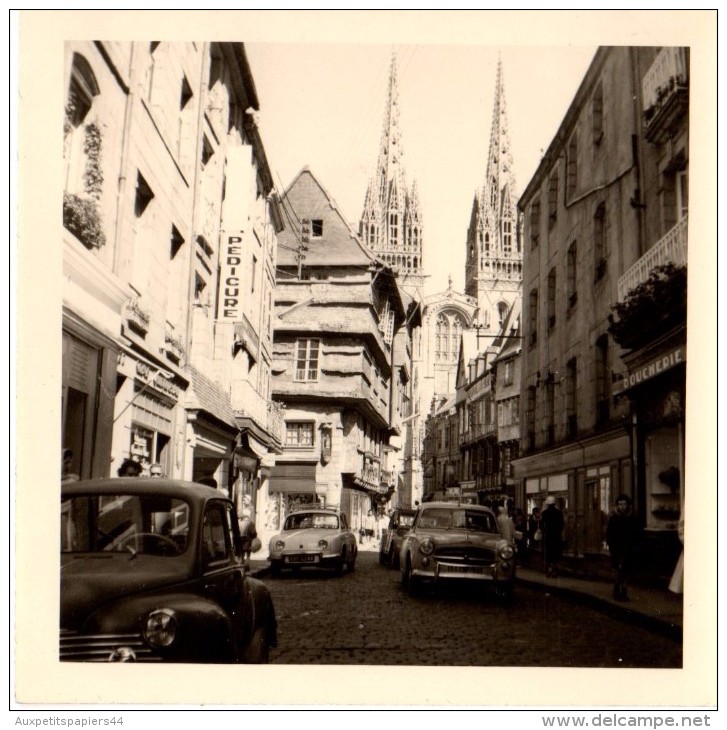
<point x="149" y="419"/>
<point x="584" y="479"/>
<point x="655" y="384"/>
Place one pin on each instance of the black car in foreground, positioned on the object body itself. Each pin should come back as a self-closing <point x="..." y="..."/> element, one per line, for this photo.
<point x="152" y="570"/>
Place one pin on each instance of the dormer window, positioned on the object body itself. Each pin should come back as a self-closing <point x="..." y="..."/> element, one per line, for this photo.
<point x="316" y="228"/>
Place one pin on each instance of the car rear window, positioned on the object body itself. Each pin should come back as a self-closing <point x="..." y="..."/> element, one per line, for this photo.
<point x="307" y="520"/>
<point x="139" y="524"/>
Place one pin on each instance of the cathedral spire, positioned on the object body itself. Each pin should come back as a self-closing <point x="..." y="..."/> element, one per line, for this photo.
<point x="493" y="271"/>
<point x="500" y="173"/>
<point x="391" y="221"/>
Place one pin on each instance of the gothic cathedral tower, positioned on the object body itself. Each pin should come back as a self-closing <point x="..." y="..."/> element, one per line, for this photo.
<point x="391" y="222"/>
<point x="494" y="268"/>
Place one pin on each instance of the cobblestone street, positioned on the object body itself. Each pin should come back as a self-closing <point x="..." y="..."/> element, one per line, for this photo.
<point x="366" y="618"/>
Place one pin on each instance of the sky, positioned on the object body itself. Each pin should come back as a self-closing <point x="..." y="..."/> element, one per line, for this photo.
<point x="322" y="105"/>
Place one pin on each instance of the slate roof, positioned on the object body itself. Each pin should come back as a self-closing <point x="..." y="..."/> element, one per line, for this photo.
<point x="339" y="245"/>
<point x="206" y="395"/>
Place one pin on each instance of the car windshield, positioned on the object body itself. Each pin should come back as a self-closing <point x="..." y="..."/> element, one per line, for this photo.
<point x="304" y="520"/>
<point x="442" y="518"/>
<point x="138" y="524"/>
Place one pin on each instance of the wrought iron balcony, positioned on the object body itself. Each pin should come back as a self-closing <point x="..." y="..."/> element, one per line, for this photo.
<point x="668" y="73"/>
<point x="666" y="95"/>
<point x="671" y="248"/>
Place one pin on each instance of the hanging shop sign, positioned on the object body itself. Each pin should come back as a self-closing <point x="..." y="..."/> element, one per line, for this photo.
<point x="155" y="379"/>
<point x="651" y="369"/>
<point x="229" y="301"/>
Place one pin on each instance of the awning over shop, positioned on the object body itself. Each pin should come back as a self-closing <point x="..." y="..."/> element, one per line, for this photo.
<point x="353" y="481"/>
<point x="293" y="478"/>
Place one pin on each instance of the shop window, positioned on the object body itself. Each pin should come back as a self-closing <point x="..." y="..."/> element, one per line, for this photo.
<point x="307" y="359"/>
<point x="299" y="434"/>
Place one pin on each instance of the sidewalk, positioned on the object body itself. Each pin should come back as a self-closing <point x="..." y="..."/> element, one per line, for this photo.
<point x="654" y="608"/>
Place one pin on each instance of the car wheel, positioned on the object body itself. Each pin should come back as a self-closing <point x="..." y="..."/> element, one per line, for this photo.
<point x="340" y="563"/>
<point x="411" y="583"/>
<point x="258" y="651"/>
<point x="392" y="559"/>
<point x="352" y="563"/>
<point x="504" y="590"/>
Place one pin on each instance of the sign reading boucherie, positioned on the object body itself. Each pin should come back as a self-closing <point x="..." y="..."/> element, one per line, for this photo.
<point x="229" y="303"/>
<point x="651" y="369"/>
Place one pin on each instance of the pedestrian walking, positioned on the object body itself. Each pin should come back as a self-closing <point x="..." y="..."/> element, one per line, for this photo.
<point x="622" y="537"/>
<point x="370" y="525"/>
<point x="551" y="524"/>
<point x="129" y="468"/>
<point x="505" y="523"/>
<point x="521" y="536"/>
<point x="248" y="531"/>
<point x="676" y="584"/>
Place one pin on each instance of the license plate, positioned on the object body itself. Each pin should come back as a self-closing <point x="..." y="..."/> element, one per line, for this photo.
<point x="301" y="559"/>
<point x="463" y="569"/>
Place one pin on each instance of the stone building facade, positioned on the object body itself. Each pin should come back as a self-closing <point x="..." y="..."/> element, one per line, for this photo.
<point x="606" y="206"/>
<point x="163" y="165"/>
<point x="336" y="369"/>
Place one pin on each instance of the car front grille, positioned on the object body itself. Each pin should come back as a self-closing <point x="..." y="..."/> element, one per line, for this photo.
<point x="466" y="555"/>
<point x="77" y="647"/>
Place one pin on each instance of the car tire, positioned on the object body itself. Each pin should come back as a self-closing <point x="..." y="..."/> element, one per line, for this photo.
<point x="258" y="651"/>
<point x="392" y="559"/>
<point x="352" y="564"/>
<point x="411" y="583"/>
<point x="338" y="569"/>
<point x="504" y="591"/>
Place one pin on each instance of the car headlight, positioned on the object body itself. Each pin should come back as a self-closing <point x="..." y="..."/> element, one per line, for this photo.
<point x="323" y="544"/>
<point x="506" y="552"/>
<point x="279" y="545"/>
<point x="160" y="629"/>
<point x="426" y="547"/>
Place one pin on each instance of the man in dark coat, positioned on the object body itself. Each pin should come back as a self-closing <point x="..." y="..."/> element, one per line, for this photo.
<point x="622" y="536"/>
<point x="552" y="523"/>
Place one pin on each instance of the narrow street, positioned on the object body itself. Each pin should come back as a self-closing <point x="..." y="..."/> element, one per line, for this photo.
<point x="366" y="618"/>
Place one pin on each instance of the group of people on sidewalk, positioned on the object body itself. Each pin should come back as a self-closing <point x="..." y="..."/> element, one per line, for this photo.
<point x="544" y="533"/>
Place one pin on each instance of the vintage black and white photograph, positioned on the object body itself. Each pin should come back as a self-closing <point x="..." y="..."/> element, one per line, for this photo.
<point x="372" y="352"/>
